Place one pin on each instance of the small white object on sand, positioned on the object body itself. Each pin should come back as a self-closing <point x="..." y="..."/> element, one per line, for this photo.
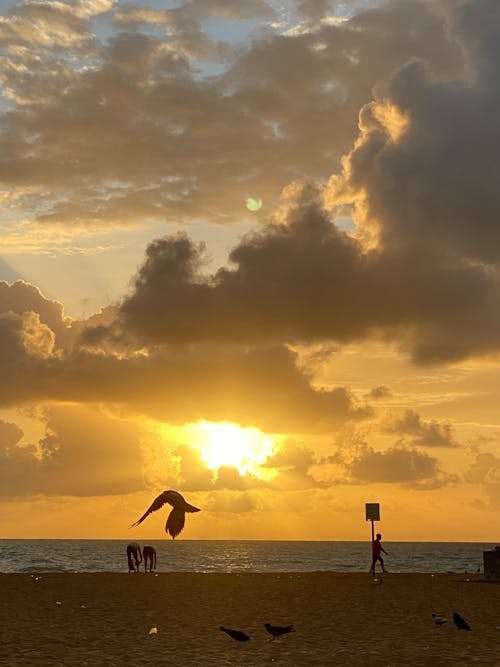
<point x="153" y="631"/>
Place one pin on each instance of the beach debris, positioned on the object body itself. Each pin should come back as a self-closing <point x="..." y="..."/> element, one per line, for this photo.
<point x="439" y="620"/>
<point x="176" y="518"/>
<point x="460" y="622"/>
<point x="237" y="635"/>
<point x="82" y="606"/>
<point x="153" y="630"/>
<point x="58" y="603"/>
<point x="377" y="581"/>
<point x="278" y="630"/>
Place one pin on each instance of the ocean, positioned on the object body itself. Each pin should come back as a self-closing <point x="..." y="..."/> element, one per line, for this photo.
<point x="240" y="556"/>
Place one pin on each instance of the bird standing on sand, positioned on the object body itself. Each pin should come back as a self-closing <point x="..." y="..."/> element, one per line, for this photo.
<point x="460" y="622"/>
<point x="176" y="518"/>
<point x="276" y="630"/>
<point x="238" y="635"/>
<point x="439" y="620"/>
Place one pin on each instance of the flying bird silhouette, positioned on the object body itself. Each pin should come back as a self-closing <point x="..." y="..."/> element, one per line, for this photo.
<point x="460" y="622"/>
<point x="176" y="518"/>
<point x="276" y="630"/>
<point x="439" y="620"/>
<point x="238" y="635"/>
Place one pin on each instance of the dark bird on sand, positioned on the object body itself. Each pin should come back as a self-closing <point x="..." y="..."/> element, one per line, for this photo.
<point x="439" y="620"/>
<point x="460" y="622"/>
<point x="176" y="518"/>
<point x="277" y="630"/>
<point x="238" y="635"/>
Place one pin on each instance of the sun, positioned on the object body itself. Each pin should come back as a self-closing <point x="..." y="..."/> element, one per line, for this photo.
<point x="227" y="444"/>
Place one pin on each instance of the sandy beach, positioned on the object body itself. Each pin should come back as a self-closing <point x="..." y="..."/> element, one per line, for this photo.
<point x="340" y="619"/>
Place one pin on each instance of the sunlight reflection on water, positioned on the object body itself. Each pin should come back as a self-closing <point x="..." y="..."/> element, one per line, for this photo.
<point x="239" y="556"/>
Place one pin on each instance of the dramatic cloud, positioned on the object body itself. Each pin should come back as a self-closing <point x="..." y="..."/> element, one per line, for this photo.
<point x="293" y="462"/>
<point x="400" y="465"/>
<point x="126" y="124"/>
<point x="84" y="453"/>
<point x="260" y="385"/>
<point x="423" y="433"/>
<point x="421" y="177"/>
<point x="300" y="278"/>
<point x="368" y="129"/>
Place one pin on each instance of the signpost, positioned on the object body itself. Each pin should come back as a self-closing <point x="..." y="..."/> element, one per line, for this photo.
<point x="372" y="513"/>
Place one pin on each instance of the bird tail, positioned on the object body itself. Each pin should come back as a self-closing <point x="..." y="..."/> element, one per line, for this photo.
<point x="175" y="522"/>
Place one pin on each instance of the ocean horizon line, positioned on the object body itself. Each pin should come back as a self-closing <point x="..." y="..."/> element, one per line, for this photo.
<point x="222" y="539"/>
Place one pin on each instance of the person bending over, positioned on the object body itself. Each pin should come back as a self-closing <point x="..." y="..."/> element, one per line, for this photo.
<point x="134" y="556"/>
<point x="149" y="557"/>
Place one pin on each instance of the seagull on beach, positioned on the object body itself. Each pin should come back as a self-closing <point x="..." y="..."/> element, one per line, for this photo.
<point x="276" y="630"/>
<point x="439" y="620"/>
<point x="238" y="635"/>
<point x="176" y="518"/>
<point x="460" y="622"/>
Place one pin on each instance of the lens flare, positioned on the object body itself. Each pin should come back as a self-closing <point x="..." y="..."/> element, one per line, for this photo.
<point x="254" y="204"/>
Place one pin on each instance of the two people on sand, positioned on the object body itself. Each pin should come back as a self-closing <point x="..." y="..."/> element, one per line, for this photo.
<point x="134" y="557"/>
<point x="377" y="549"/>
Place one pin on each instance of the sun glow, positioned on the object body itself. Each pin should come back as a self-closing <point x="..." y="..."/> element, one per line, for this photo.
<point x="227" y="444"/>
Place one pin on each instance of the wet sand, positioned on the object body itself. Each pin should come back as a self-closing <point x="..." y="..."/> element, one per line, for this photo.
<point x="340" y="619"/>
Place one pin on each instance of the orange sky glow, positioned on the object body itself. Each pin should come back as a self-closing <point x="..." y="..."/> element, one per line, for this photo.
<point x="248" y="251"/>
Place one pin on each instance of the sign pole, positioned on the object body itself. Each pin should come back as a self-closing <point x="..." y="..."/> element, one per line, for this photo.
<point x="373" y="547"/>
<point x="372" y="513"/>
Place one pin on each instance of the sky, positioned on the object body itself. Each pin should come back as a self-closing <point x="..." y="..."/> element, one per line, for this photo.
<point x="250" y="251"/>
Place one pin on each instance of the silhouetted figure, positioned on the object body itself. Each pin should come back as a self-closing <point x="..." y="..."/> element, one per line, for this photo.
<point x="278" y="630"/>
<point x="460" y="622"/>
<point x="238" y="635"/>
<point x="439" y="620"/>
<point x="377" y="548"/>
<point x="149" y="554"/>
<point x="176" y="518"/>
<point x="134" y="556"/>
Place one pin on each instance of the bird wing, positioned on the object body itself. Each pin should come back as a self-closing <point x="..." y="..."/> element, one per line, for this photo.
<point x="156" y="504"/>
<point x="175" y="522"/>
<point x="178" y="501"/>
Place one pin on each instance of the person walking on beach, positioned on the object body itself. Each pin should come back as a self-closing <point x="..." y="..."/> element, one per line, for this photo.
<point x="149" y="554"/>
<point x="134" y="556"/>
<point x="377" y="549"/>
